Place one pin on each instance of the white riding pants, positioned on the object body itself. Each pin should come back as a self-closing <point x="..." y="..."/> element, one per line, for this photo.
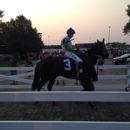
<point x="73" y="56"/>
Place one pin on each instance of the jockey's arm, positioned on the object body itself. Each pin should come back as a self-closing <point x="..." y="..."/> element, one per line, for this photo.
<point x="68" y="48"/>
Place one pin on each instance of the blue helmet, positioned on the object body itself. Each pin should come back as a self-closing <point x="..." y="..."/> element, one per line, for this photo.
<point x="70" y="31"/>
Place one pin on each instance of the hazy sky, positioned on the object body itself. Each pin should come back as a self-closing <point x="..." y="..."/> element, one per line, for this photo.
<point x="89" y="18"/>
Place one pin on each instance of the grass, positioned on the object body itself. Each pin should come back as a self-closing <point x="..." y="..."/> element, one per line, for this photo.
<point x="7" y="64"/>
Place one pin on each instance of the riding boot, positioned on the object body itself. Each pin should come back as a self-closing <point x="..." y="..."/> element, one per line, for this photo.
<point x="81" y="74"/>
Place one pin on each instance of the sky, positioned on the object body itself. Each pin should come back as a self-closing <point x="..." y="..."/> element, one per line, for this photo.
<point x="90" y="19"/>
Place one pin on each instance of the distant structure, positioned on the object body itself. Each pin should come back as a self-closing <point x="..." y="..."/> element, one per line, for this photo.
<point x="84" y="46"/>
<point x="57" y="48"/>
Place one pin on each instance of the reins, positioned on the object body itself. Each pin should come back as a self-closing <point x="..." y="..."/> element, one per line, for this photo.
<point x="90" y="54"/>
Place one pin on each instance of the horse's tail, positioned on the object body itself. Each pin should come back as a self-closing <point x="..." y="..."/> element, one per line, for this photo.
<point x="36" y="78"/>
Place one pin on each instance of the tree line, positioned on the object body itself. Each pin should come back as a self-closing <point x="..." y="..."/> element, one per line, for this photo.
<point x="126" y="31"/>
<point x="18" y="35"/>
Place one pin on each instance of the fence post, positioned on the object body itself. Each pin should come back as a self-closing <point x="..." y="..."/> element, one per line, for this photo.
<point x="128" y="81"/>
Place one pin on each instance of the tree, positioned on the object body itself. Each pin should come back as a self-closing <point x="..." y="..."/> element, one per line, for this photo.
<point x="23" y="37"/>
<point x="3" y="34"/>
<point x="1" y="13"/>
<point x="126" y="29"/>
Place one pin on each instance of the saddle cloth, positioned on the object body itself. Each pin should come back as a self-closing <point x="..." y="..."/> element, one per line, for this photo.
<point x="68" y="64"/>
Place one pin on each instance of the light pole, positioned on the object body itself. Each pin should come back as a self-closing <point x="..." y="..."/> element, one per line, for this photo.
<point x="109" y="34"/>
<point x="57" y="42"/>
<point x="39" y="40"/>
<point x="48" y="40"/>
<point x="90" y="39"/>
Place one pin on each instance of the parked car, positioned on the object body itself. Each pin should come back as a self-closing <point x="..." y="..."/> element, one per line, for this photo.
<point x="128" y="60"/>
<point x="121" y="59"/>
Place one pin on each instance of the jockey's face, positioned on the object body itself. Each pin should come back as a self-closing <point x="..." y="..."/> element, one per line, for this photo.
<point x="70" y="35"/>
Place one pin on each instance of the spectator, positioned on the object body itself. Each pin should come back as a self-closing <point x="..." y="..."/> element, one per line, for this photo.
<point x="29" y="63"/>
<point x="42" y="56"/>
<point x="13" y="63"/>
<point x="30" y="55"/>
<point x="94" y="79"/>
<point x="54" y="53"/>
<point x="101" y="61"/>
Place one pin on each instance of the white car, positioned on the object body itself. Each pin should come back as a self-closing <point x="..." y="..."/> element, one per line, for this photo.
<point x="128" y="60"/>
<point x="121" y="59"/>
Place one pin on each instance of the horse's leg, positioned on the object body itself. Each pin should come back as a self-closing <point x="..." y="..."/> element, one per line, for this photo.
<point x="88" y="86"/>
<point x="51" y="82"/>
<point x="39" y="86"/>
<point x="42" y="83"/>
<point x="91" y="89"/>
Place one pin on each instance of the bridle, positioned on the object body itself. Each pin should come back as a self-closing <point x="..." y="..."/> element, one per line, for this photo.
<point x="91" y="54"/>
<point x="104" y="47"/>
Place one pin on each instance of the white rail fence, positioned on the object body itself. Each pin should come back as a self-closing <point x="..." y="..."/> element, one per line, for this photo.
<point x="63" y="125"/>
<point x="64" y="96"/>
<point x="95" y="96"/>
<point x="21" y="77"/>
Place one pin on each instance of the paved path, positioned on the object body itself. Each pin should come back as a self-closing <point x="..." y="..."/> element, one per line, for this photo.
<point x="65" y="111"/>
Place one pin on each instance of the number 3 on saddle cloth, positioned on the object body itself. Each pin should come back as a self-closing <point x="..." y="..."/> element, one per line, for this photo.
<point x="69" y="65"/>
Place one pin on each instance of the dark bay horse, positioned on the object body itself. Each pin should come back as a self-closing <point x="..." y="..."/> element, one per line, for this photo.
<point x="51" y="67"/>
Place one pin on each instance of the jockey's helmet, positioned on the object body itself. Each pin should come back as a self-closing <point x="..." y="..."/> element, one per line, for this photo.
<point x="70" y="31"/>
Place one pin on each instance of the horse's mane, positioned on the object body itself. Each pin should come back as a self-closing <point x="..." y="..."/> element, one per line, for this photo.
<point x="91" y="50"/>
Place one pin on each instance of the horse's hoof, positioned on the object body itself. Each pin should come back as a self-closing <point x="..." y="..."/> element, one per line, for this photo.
<point x="53" y="103"/>
<point x="33" y="89"/>
<point x="92" y="107"/>
<point x="35" y="103"/>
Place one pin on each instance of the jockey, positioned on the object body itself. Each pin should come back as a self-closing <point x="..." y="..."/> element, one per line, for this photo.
<point x="68" y="50"/>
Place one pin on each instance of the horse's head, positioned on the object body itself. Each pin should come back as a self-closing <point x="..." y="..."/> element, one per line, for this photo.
<point x="103" y="50"/>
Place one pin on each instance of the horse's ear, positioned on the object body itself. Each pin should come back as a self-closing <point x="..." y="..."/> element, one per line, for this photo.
<point x="103" y="40"/>
<point x="97" y="40"/>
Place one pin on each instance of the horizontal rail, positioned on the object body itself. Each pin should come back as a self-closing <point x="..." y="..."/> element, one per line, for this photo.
<point x="32" y="68"/>
<point x="15" y="78"/>
<point x="65" y="96"/>
<point x="100" y="77"/>
<point x="3" y="77"/>
<point x="63" y="125"/>
<point x="18" y="77"/>
<point x="16" y="68"/>
<point x="66" y="88"/>
<point x="113" y="66"/>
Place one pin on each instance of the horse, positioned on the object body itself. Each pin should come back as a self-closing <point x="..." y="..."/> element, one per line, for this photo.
<point x="52" y="66"/>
